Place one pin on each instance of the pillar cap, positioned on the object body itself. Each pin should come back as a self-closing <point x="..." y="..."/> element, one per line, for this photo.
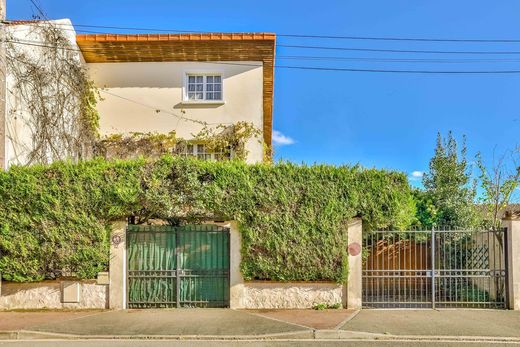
<point x="511" y="215"/>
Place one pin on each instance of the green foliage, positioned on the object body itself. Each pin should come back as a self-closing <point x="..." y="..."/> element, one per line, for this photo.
<point x="322" y="306"/>
<point x="426" y="211"/>
<point x="319" y="307"/>
<point x="225" y="141"/>
<point x="89" y="114"/>
<point x="448" y="199"/>
<point x="498" y="184"/>
<point x="56" y="218"/>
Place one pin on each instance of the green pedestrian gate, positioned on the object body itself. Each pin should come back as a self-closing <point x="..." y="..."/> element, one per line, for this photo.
<point x="171" y="266"/>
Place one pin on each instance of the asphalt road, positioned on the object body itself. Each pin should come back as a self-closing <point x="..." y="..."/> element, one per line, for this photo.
<point x="169" y="343"/>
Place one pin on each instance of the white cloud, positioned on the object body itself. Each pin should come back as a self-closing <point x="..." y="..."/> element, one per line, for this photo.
<point x="416" y="175"/>
<point x="280" y="139"/>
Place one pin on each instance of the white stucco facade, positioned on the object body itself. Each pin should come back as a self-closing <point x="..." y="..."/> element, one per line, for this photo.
<point x="19" y="124"/>
<point x="141" y="96"/>
<point x="150" y="97"/>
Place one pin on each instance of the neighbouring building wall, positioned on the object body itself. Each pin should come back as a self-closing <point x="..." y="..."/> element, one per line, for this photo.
<point x="19" y="124"/>
<point x="148" y="97"/>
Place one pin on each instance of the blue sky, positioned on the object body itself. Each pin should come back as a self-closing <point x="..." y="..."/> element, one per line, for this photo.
<point x="377" y="120"/>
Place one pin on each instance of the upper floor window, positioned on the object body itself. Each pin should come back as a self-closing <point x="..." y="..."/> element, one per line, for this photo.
<point x="200" y="87"/>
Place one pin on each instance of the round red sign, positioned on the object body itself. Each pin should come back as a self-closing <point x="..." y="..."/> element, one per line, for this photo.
<point x="354" y="249"/>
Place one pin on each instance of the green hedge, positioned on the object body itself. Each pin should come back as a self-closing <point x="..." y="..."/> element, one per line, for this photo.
<point x="292" y="217"/>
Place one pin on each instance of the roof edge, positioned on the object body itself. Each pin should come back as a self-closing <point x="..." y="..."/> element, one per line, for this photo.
<point x="177" y="37"/>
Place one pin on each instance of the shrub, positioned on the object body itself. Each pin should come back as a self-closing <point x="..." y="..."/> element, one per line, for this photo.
<point x="292" y="217"/>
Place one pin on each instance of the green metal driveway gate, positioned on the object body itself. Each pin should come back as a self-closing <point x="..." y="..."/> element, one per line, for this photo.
<point x="184" y="266"/>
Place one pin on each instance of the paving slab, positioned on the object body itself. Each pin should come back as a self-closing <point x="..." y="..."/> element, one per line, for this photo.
<point x="172" y="322"/>
<point x="316" y="319"/>
<point x="493" y="323"/>
<point x="18" y="320"/>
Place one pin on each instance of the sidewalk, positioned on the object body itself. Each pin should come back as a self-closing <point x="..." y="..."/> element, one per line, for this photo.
<point x="491" y="323"/>
<point x="165" y="323"/>
<point x="225" y="324"/>
<point x="25" y="319"/>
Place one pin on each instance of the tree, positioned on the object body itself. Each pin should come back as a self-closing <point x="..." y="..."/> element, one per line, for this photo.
<point x="498" y="182"/>
<point x="450" y="192"/>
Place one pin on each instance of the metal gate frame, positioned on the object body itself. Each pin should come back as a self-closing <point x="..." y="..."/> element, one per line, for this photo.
<point x="178" y="273"/>
<point x="437" y="268"/>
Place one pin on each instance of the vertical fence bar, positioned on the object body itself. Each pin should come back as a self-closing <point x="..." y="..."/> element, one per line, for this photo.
<point x="505" y="253"/>
<point x="411" y="268"/>
<point x="433" y="266"/>
<point x="228" y="255"/>
<point x="385" y="279"/>
<point x="492" y="280"/>
<point x="470" y="265"/>
<point x="417" y="269"/>
<point x="177" y="270"/>
<point x="397" y="246"/>
<point x="423" y="271"/>
<point x="377" y="280"/>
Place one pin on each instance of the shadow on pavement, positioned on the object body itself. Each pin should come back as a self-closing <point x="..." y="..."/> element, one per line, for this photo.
<point x="172" y="322"/>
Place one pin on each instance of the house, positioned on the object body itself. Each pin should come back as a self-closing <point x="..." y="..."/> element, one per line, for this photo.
<point x="171" y="82"/>
<point x="162" y="83"/>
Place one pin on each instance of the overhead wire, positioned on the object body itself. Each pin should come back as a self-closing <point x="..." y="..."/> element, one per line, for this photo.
<point x="318" y="68"/>
<point x="158" y="108"/>
<point x="316" y="36"/>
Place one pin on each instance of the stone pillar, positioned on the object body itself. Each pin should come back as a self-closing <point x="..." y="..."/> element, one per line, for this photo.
<point x="236" y="282"/>
<point x="354" y="286"/>
<point x="512" y="223"/>
<point x="117" y="271"/>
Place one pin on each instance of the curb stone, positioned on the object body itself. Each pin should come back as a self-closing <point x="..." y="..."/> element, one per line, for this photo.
<point x="318" y="334"/>
<point x="8" y="335"/>
<point x="37" y="335"/>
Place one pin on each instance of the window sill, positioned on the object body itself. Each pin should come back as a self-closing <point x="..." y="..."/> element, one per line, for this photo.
<point x="203" y="102"/>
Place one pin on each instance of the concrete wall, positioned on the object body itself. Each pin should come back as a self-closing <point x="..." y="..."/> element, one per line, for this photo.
<point x="148" y="97"/>
<point x="50" y="294"/>
<point x="354" y="285"/>
<point x="236" y="281"/>
<point x="513" y="240"/>
<point x="117" y="273"/>
<point x="276" y="295"/>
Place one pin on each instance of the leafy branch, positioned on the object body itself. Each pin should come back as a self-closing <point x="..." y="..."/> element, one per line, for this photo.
<point x="229" y="141"/>
<point x="498" y="183"/>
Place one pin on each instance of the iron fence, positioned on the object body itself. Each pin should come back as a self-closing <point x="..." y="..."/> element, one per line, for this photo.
<point x="435" y="269"/>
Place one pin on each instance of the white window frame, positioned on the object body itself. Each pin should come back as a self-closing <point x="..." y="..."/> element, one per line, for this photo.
<point x="195" y="152"/>
<point x="205" y="74"/>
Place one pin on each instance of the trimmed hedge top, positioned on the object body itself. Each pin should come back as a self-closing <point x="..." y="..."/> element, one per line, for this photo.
<point x="292" y="217"/>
